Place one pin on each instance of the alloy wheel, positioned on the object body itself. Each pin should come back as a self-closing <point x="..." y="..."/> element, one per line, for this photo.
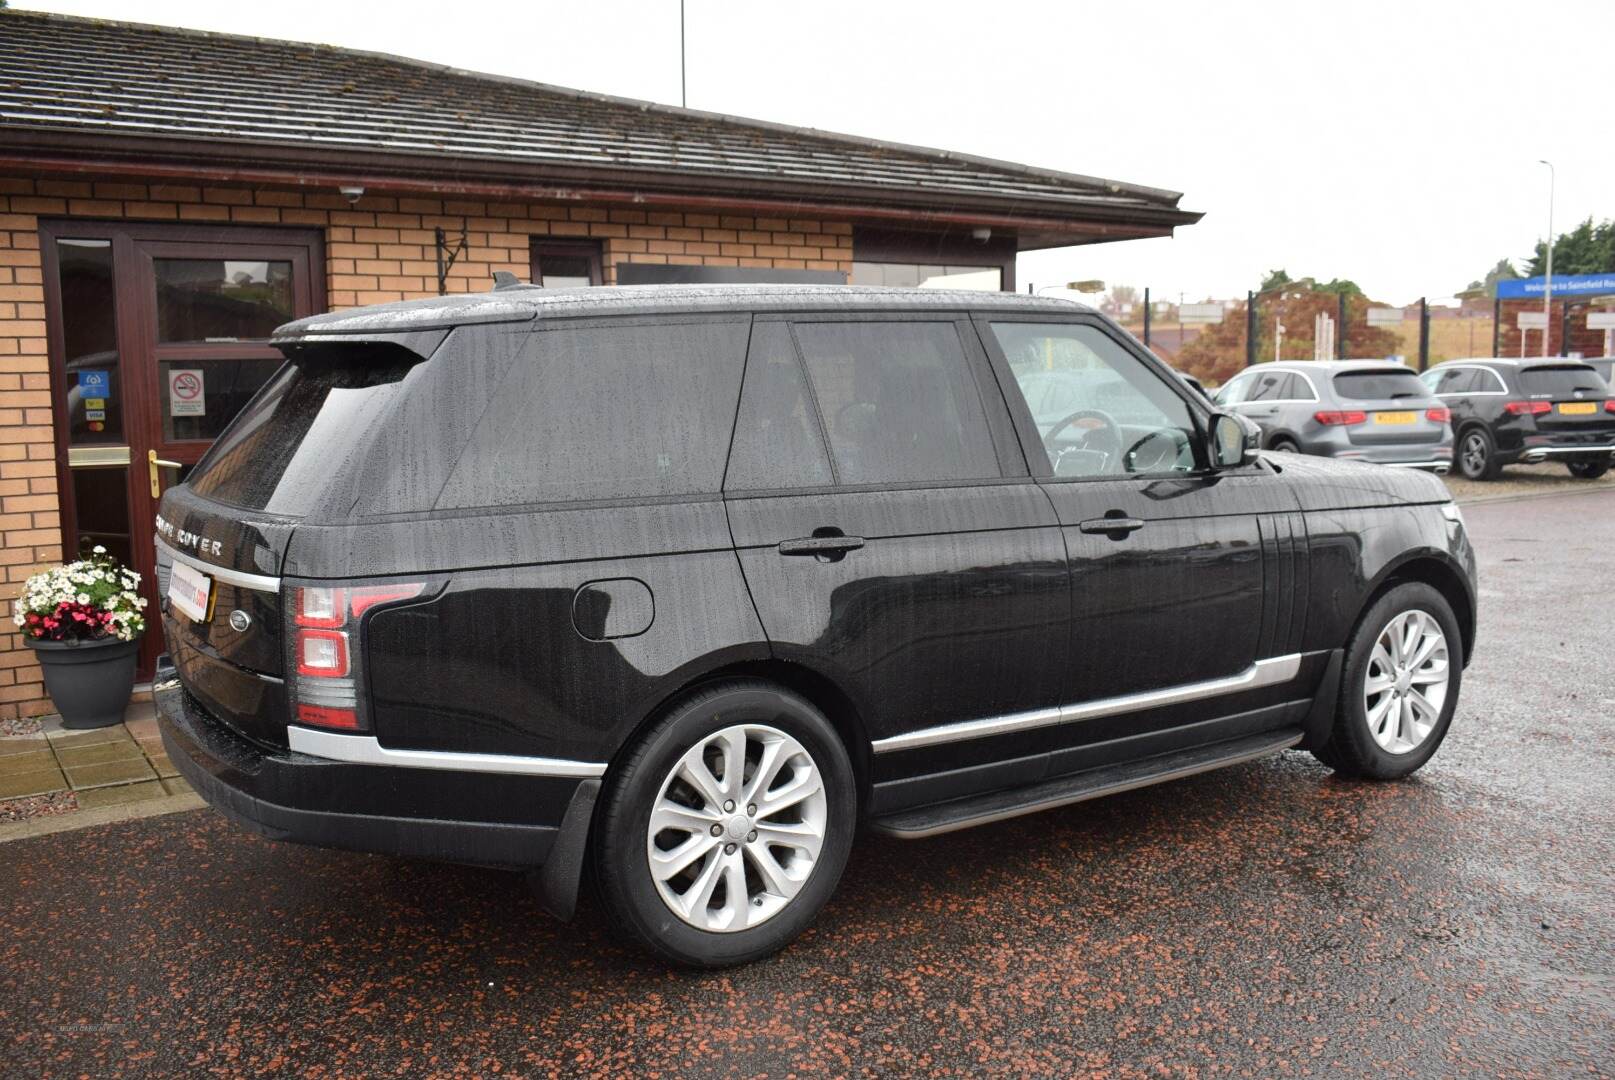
<point x="1473" y="454"/>
<point x="1405" y="687"/>
<point x="737" y="828"/>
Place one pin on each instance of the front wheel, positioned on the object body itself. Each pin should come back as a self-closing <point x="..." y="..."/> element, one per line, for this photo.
<point x="1587" y="470"/>
<point x="1399" y="686"/>
<point x="727" y="827"/>
<point x="1284" y="445"/>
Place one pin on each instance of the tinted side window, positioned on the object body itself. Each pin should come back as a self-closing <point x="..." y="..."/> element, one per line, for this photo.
<point x="1234" y="391"/>
<point x="777" y="437"/>
<point x="898" y="402"/>
<point x="606" y="412"/>
<point x="1298" y="389"/>
<point x="1269" y="386"/>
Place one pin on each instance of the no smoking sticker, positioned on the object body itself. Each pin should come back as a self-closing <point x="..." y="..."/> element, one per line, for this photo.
<point x="185" y="396"/>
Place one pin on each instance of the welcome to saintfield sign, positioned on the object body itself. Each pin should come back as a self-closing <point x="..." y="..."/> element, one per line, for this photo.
<point x="1563" y="285"/>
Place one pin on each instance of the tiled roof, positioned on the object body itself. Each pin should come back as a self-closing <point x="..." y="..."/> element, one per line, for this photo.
<point x="133" y="82"/>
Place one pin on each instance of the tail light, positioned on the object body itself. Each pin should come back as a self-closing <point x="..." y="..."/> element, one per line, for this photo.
<point x="325" y="635"/>
<point x="1528" y="408"/>
<point x="1340" y="419"/>
<point x="1609" y="406"/>
<point x="1438" y="415"/>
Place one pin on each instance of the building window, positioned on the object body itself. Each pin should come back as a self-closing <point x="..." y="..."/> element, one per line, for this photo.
<point x="566" y="264"/>
<point x="928" y="276"/>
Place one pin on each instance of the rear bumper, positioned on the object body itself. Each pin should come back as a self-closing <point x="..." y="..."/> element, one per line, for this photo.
<point x="1530" y="455"/>
<point x="464" y="817"/>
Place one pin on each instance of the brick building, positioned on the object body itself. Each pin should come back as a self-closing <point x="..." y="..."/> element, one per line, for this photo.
<point x="167" y="197"/>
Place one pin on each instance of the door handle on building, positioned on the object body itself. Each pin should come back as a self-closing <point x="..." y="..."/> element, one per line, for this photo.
<point x="153" y="462"/>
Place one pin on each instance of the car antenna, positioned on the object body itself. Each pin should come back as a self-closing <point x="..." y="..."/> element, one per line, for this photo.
<point x="504" y="279"/>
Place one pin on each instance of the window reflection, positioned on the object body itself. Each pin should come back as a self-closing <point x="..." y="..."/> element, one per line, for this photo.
<point x="90" y="341"/>
<point x="928" y="276"/>
<point x="221" y="300"/>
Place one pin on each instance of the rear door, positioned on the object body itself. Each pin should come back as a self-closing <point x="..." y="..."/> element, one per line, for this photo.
<point x="1179" y="577"/>
<point x="894" y="543"/>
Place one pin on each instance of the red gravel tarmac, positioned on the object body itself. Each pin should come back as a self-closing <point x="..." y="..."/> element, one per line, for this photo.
<point x="1266" y="920"/>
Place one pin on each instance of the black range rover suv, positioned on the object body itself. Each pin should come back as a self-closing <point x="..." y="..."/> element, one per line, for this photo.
<point x="1507" y="412"/>
<point x="684" y="584"/>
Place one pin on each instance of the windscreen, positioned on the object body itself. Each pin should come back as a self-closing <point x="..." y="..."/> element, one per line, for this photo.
<point x="311" y="416"/>
<point x="1562" y="382"/>
<point x="1383" y="385"/>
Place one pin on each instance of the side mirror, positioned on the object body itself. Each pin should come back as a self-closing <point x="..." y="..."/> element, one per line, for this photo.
<point x="1228" y="446"/>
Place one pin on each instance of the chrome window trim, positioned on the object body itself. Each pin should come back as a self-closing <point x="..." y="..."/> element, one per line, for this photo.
<point x="367" y="750"/>
<point x="239" y="578"/>
<point x="1269" y="672"/>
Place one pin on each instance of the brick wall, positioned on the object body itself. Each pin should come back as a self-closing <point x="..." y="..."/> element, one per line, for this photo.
<point x="380" y="249"/>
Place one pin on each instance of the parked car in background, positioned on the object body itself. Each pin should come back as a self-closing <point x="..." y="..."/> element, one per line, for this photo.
<point x="1366" y="410"/>
<point x="1527" y="411"/>
<point x="686" y="584"/>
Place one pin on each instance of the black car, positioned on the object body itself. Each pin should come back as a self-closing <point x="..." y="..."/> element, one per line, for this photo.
<point x="1507" y="412"/>
<point x="684" y="584"/>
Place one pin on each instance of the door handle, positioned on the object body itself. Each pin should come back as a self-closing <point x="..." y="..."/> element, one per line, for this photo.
<point x="830" y="548"/>
<point x="1113" y="527"/>
<point x="153" y="463"/>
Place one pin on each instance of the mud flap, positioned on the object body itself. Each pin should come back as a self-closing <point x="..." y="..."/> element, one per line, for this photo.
<point x="556" y="882"/>
<point x="1321" y="717"/>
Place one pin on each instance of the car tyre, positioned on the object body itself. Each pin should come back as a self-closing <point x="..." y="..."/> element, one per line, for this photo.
<point x="654" y="777"/>
<point x="1587" y="470"/>
<point x="1477" y="455"/>
<point x="1358" y="747"/>
<point x="1284" y="445"/>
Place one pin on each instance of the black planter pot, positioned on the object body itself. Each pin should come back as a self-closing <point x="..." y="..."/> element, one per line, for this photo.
<point x="89" y="681"/>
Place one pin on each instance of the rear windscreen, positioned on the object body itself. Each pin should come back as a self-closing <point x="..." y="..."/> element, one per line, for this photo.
<point x="277" y="455"/>
<point x="1541" y="382"/>
<point x="1379" y="385"/>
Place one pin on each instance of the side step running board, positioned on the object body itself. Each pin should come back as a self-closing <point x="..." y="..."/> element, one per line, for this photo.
<point x="998" y="805"/>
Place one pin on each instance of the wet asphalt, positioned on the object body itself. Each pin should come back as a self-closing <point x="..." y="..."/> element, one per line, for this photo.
<point x="1265" y="920"/>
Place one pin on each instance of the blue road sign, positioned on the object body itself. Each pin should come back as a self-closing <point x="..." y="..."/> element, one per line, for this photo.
<point x="1563" y="285"/>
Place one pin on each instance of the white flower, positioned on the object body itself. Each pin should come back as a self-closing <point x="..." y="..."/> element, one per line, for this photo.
<point x="83" y="598"/>
<point x="99" y="550"/>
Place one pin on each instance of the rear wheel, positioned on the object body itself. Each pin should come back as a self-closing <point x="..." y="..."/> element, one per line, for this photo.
<point x="1399" y="686"/>
<point x="726" y="829"/>
<point x="1477" y="455"/>
<point x="1587" y="470"/>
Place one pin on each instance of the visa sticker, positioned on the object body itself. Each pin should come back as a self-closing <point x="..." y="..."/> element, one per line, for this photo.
<point x="95" y="414"/>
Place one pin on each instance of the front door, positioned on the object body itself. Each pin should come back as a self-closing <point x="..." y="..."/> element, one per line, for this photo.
<point x="157" y="336"/>
<point x="1185" y="584"/>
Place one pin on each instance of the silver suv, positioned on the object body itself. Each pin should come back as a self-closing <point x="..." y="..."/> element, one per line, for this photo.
<point x="1370" y="410"/>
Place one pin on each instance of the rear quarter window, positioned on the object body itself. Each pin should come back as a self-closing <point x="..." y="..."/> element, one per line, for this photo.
<point x="606" y="411"/>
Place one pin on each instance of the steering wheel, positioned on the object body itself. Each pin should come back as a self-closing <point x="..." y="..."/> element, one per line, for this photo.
<point x="1112" y="434"/>
<point x="1166" y="454"/>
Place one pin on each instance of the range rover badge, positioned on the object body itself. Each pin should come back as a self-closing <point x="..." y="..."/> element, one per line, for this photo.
<point x="239" y="621"/>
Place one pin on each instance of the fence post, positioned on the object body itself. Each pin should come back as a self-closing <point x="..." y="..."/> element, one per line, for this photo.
<point x="1497" y="322"/>
<point x="1424" y="335"/>
<point x="1146" y="316"/>
<point x="1250" y="328"/>
<point x="1340" y="334"/>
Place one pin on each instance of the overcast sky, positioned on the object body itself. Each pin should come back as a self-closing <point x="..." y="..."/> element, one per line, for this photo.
<point x="1394" y="144"/>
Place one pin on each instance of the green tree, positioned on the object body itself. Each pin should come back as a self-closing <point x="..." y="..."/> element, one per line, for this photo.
<point x="1586" y="249"/>
<point x="1274" y="280"/>
<point x="1503" y="271"/>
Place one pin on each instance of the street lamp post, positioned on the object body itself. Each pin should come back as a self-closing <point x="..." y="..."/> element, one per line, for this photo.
<point x="1547" y="280"/>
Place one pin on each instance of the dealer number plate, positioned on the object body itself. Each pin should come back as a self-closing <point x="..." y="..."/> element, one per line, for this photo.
<point x="1578" y="408"/>
<point x="189" y="591"/>
<point x="1395" y="417"/>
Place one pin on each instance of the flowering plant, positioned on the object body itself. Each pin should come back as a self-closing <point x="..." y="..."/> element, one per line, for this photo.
<point x="87" y="600"/>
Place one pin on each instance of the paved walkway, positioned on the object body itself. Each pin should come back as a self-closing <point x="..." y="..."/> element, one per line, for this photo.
<point x="84" y="770"/>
